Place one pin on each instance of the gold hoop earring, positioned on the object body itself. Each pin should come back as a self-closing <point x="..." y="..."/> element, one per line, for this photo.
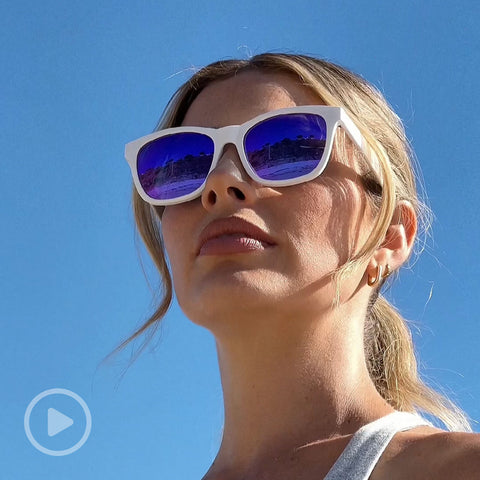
<point x="378" y="275"/>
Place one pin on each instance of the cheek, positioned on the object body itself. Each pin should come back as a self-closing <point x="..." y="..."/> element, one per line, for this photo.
<point x="175" y="232"/>
<point x="311" y="215"/>
<point x="312" y="252"/>
<point x="328" y="221"/>
<point x="168" y="229"/>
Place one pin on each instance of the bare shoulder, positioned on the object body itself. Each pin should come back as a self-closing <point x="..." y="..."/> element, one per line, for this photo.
<point x="454" y="455"/>
<point x="430" y="453"/>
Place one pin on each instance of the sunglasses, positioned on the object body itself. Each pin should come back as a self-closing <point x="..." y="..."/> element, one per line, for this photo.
<point x="278" y="148"/>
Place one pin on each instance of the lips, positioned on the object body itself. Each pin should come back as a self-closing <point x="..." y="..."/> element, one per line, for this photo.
<point x="231" y="226"/>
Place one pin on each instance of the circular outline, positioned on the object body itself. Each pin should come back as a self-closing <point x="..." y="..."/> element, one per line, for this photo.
<point x="68" y="393"/>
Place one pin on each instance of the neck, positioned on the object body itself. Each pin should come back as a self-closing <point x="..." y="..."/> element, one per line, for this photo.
<point x="287" y="385"/>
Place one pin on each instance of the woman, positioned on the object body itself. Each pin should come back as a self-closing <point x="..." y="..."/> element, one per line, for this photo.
<point x="280" y="234"/>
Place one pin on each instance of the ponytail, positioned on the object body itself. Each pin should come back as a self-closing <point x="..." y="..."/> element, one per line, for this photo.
<point x="392" y="365"/>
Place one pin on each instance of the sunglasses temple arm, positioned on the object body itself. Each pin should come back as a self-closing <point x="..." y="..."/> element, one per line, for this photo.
<point x="356" y="136"/>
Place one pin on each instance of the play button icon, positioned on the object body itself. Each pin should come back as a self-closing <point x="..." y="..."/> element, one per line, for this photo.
<point x="57" y="422"/>
<point x="55" y="419"/>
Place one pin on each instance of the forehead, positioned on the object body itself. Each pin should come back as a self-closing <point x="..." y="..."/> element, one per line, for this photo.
<point x="237" y="99"/>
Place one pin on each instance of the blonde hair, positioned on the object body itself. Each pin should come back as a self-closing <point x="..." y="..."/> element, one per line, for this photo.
<point x="389" y="348"/>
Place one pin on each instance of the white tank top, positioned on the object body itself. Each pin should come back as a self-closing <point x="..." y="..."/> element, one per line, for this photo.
<point x="363" y="451"/>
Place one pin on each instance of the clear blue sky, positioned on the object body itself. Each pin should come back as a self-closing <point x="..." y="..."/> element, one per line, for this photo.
<point x="79" y="80"/>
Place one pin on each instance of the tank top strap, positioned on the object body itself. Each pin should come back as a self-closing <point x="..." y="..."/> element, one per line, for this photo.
<point x="365" y="448"/>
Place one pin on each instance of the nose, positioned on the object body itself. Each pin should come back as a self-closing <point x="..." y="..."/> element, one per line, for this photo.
<point x="228" y="184"/>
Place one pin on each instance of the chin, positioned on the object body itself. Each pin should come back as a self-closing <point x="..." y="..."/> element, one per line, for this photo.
<point x="229" y="301"/>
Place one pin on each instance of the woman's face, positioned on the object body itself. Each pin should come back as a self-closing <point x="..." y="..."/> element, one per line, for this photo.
<point x="315" y="225"/>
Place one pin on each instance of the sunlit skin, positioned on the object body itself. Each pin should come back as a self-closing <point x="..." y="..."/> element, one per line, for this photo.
<point x="292" y="366"/>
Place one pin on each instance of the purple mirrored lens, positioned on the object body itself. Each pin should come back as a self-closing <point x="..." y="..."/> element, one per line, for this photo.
<point x="175" y="165"/>
<point x="286" y="147"/>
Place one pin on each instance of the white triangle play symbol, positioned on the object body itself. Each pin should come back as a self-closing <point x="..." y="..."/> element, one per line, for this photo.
<point x="57" y="422"/>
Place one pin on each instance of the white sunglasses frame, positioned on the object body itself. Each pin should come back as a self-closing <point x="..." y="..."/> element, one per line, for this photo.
<point x="234" y="134"/>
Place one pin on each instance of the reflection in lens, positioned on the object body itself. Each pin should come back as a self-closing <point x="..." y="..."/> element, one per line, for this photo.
<point x="174" y="165"/>
<point x="285" y="147"/>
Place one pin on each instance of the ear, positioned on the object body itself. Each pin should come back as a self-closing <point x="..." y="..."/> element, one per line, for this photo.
<point x="399" y="239"/>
